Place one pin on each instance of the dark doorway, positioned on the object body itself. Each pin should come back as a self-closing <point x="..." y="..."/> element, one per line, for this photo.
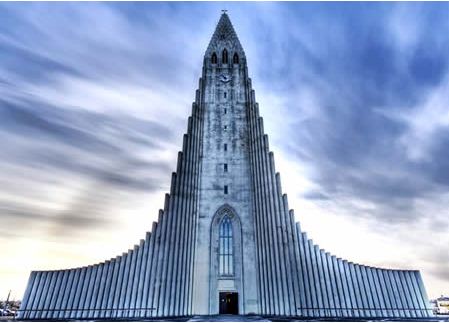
<point x="229" y="303"/>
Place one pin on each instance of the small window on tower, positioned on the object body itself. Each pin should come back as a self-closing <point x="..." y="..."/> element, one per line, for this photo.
<point x="214" y="58"/>
<point x="225" y="94"/>
<point x="225" y="127"/>
<point x="225" y="110"/>
<point x="224" y="58"/>
<point x="225" y="168"/>
<point x="226" y="189"/>
<point x="225" y="147"/>
<point x="235" y="59"/>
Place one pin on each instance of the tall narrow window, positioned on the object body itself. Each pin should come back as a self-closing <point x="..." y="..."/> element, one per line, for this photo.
<point x="225" y="94"/>
<point x="214" y="58"/>
<point x="226" y="248"/>
<point x="225" y="168"/>
<point x="235" y="59"/>
<point x="225" y="110"/>
<point x="225" y="147"/>
<point x="224" y="58"/>
<point x="226" y="189"/>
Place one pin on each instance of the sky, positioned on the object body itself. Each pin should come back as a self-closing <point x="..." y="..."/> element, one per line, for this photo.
<point x="94" y="100"/>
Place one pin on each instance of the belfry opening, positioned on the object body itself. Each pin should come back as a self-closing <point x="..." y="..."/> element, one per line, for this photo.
<point x="225" y="241"/>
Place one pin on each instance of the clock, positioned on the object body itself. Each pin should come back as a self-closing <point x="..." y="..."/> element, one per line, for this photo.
<point x="224" y="78"/>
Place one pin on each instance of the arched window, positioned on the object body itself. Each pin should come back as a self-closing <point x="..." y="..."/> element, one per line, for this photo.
<point x="226" y="248"/>
<point x="235" y="59"/>
<point x="214" y="58"/>
<point x="224" y="58"/>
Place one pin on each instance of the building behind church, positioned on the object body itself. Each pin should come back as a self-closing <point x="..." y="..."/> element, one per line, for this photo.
<point x="225" y="240"/>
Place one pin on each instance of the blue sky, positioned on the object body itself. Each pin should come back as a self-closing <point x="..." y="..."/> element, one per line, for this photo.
<point x="94" y="99"/>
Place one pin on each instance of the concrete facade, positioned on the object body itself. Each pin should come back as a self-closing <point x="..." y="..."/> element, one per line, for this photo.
<point x="225" y="171"/>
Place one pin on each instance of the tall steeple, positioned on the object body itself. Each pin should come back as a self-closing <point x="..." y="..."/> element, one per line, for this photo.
<point x="225" y="38"/>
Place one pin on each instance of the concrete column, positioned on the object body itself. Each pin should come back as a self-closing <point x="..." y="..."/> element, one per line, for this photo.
<point x="46" y="295"/>
<point x="93" y="292"/>
<point x="362" y="290"/>
<point x="126" y="259"/>
<point x="131" y="276"/>
<point x="412" y="293"/>
<point x="71" y="296"/>
<point x="275" y="286"/>
<point x="368" y="292"/>
<point x="316" y="280"/>
<point x="107" y="289"/>
<point x="55" y="294"/>
<point x="101" y="273"/>
<point x="389" y="292"/>
<point x="392" y="291"/>
<point x="156" y="264"/>
<point x="62" y="291"/>
<point x="87" y="285"/>
<point x="420" y="305"/>
<point x="271" y="292"/>
<point x="402" y="293"/>
<point x="135" y="283"/>
<point x="302" y="305"/>
<point x="65" y="304"/>
<point x="77" y="291"/>
<point x="35" y="293"/>
<point x="332" y="285"/>
<point x="381" y="294"/>
<point x="264" y="246"/>
<point x="374" y="293"/>
<point x="342" y="286"/>
<point x="86" y="271"/>
<point x="287" y="243"/>
<point x="111" y="304"/>
<point x="164" y="298"/>
<point x="141" y="283"/>
<point x="257" y="224"/>
<point x="168" y="299"/>
<point x="423" y="294"/>
<point x="312" y="300"/>
<point x="161" y="250"/>
<point x="188" y="295"/>
<point x="118" y="288"/>
<point x="313" y="277"/>
<point x="282" y="246"/>
<point x="324" y="307"/>
<point x="358" y="296"/>
<point x="328" y="285"/>
<point x="178" y="285"/>
<point x="351" y="288"/>
<point x="146" y="291"/>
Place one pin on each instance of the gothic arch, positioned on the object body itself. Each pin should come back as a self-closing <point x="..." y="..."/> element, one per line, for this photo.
<point x="224" y="57"/>
<point x="235" y="59"/>
<point x="214" y="58"/>
<point x="218" y="282"/>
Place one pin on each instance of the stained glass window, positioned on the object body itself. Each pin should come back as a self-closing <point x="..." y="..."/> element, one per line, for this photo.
<point x="226" y="248"/>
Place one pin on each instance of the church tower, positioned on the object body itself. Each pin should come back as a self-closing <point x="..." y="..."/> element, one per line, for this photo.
<point x="225" y="241"/>
<point x="225" y="260"/>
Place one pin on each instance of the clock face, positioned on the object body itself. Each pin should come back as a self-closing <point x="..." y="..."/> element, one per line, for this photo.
<point x="224" y="78"/>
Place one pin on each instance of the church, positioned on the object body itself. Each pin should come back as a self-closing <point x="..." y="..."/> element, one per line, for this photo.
<point x="225" y="241"/>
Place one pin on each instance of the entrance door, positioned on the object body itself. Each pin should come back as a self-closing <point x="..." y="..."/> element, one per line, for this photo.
<point x="229" y="303"/>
